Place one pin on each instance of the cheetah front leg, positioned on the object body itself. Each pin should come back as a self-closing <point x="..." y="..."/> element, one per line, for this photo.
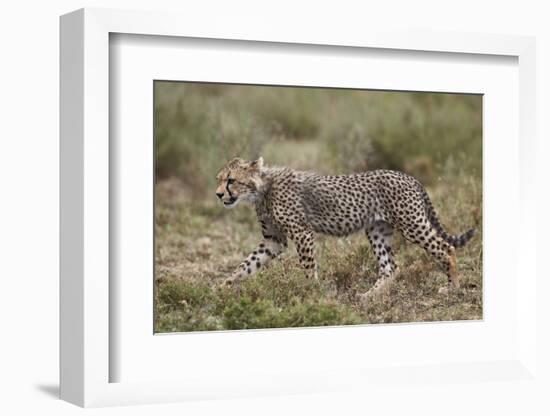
<point x="266" y="251"/>
<point x="380" y="235"/>
<point x="305" y="246"/>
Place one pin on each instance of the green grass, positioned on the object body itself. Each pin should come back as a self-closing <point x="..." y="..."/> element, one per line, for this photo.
<point x="435" y="137"/>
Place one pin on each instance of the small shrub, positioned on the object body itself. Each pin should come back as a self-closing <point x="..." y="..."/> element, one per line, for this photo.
<point x="246" y="313"/>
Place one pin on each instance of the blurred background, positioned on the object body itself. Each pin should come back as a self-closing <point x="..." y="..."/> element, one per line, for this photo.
<point x="435" y="137"/>
<point x="200" y="126"/>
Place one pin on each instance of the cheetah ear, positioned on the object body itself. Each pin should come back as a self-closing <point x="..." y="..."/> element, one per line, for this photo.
<point x="258" y="163"/>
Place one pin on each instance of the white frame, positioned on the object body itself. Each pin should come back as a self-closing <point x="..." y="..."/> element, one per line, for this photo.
<point x="140" y="356"/>
<point x="85" y="197"/>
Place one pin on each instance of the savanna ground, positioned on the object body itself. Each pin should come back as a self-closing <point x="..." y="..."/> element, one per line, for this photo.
<point x="198" y="127"/>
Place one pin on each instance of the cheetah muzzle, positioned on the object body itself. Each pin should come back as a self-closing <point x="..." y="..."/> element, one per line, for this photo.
<point x="295" y="205"/>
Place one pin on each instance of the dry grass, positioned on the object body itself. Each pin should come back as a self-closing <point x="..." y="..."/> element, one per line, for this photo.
<point x="199" y="244"/>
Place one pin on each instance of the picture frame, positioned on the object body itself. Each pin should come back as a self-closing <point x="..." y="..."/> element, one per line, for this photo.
<point x="87" y="304"/>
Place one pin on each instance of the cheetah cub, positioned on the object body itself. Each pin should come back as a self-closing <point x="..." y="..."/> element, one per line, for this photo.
<point x="295" y="205"/>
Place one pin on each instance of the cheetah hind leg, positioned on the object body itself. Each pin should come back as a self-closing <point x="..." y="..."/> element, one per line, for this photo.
<point x="448" y="263"/>
<point x="439" y="249"/>
<point x="380" y="235"/>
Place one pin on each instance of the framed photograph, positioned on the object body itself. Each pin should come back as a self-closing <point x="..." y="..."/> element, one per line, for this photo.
<point x="265" y="213"/>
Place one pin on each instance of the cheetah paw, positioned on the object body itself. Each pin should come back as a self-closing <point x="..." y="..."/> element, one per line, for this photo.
<point x="230" y="281"/>
<point x="364" y="298"/>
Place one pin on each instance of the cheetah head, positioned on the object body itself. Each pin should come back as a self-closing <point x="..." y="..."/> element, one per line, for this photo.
<point x="239" y="180"/>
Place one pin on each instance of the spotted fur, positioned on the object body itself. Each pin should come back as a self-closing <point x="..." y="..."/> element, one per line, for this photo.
<point x="296" y="205"/>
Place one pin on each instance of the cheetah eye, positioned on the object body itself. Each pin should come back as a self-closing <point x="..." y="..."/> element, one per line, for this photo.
<point x="230" y="181"/>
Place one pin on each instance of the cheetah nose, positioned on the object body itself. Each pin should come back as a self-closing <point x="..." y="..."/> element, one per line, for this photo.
<point x="219" y="194"/>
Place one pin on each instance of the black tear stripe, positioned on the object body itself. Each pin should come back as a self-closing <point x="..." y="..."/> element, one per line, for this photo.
<point x="228" y="191"/>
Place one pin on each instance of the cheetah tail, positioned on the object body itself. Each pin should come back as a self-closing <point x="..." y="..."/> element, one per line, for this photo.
<point x="454" y="240"/>
<point x="461" y="240"/>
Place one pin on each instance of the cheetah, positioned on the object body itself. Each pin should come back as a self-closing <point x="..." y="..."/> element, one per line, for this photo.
<point x="295" y="205"/>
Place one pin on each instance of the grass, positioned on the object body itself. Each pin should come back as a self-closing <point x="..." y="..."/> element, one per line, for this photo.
<point x="435" y="137"/>
<point x="198" y="244"/>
